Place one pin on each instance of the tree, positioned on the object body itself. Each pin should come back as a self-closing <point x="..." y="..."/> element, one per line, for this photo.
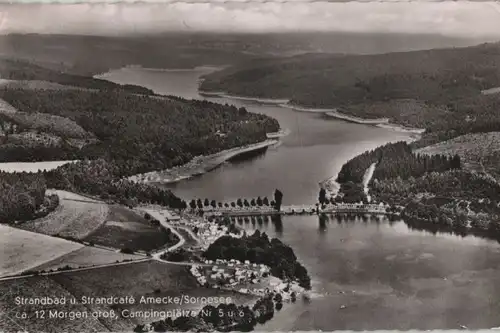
<point x="192" y="204"/>
<point x="226" y="205"/>
<point x="206" y="203"/>
<point x="233" y="204"/>
<point x="259" y="201"/>
<point x="199" y="203"/>
<point x="265" y="201"/>
<point x="322" y="196"/>
<point x="253" y="203"/>
<point x="239" y="202"/>
<point x="278" y="199"/>
<point x="213" y="204"/>
<point x="245" y="202"/>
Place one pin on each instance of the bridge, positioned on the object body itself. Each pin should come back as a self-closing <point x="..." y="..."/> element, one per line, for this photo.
<point x="356" y="208"/>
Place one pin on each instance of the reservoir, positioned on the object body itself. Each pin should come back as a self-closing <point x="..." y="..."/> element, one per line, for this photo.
<point x="366" y="274"/>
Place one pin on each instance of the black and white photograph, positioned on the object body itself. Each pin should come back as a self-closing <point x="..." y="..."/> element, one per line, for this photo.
<point x="270" y="166"/>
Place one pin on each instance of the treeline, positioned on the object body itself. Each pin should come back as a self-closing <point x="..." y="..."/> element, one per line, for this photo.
<point x="393" y="160"/>
<point x="476" y="114"/>
<point x="22" y="197"/>
<point x="456" y="200"/>
<point x="257" y="248"/>
<point x="258" y="202"/>
<point x="22" y="70"/>
<point x="139" y="133"/>
<point x="456" y="184"/>
<point x="98" y="177"/>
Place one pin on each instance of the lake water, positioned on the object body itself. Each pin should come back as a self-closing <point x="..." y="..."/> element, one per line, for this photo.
<point x="366" y="274"/>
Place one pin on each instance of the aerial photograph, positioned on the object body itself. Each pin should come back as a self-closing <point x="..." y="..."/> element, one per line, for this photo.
<point x="249" y="166"/>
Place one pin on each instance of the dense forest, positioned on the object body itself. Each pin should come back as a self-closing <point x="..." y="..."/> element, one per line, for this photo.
<point x="437" y="90"/>
<point x="324" y="80"/>
<point x="137" y="133"/>
<point x="259" y="249"/>
<point x="22" y="197"/>
<point x="392" y="160"/>
<point x="98" y="177"/>
<point x="22" y="70"/>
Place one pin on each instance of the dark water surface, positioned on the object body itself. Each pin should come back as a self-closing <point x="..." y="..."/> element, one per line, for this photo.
<point x="366" y="274"/>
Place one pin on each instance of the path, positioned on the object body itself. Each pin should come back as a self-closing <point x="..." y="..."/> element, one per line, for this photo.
<point x="367" y="177"/>
<point x="74" y="269"/>
<point x="156" y="213"/>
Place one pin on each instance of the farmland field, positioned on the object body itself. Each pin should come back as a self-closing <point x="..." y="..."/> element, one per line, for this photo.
<point x="86" y="256"/>
<point x="23" y="250"/>
<point x="125" y="228"/>
<point x="77" y="216"/>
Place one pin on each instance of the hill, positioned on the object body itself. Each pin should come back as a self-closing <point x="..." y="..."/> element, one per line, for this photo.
<point x="138" y="133"/>
<point x="325" y="80"/>
<point x="22" y="70"/>
<point x="90" y="55"/>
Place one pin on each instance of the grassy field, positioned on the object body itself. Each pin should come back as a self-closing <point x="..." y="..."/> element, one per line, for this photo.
<point x="86" y="256"/>
<point x="6" y="108"/>
<point x="31" y="166"/>
<point x="76" y="217"/>
<point x="126" y="228"/>
<point x="23" y="250"/>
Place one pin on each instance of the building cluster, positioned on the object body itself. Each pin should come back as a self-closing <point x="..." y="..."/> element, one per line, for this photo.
<point x="196" y="270"/>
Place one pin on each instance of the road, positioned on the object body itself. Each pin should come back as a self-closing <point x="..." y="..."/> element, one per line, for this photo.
<point x="155" y="256"/>
<point x="156" y="213"/>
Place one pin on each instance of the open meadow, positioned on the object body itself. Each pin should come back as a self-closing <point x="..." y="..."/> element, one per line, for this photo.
<point x="23" y="250"/>
<point x="31" y="166"/>
<point x="75" y="217"/>
<point x="125" y="228"/>
<point x="85" y="257"/>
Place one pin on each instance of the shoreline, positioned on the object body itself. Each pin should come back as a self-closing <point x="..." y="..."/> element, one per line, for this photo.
<point x="331" y="112"/>
<point x="339" y="115"/>
<point x="244" y="98"/>
<point x="198" y="165"/>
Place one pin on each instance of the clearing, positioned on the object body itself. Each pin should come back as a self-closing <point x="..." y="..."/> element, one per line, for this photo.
<point x="75" y="217"/>
<point x="23" y="250"/>
<point x="31" y="166"/>
<point x="124" y="228"/>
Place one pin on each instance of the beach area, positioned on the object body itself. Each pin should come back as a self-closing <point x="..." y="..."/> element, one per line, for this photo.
<point x="199" y="165"/>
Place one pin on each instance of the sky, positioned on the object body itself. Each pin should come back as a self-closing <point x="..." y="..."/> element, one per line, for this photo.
<point x="452" y="18"/>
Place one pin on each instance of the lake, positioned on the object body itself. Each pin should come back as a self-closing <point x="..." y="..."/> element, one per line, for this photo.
<point x="366" y="274"/>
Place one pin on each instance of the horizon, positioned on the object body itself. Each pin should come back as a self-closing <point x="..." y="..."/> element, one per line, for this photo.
<point x="449" y="19"/>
